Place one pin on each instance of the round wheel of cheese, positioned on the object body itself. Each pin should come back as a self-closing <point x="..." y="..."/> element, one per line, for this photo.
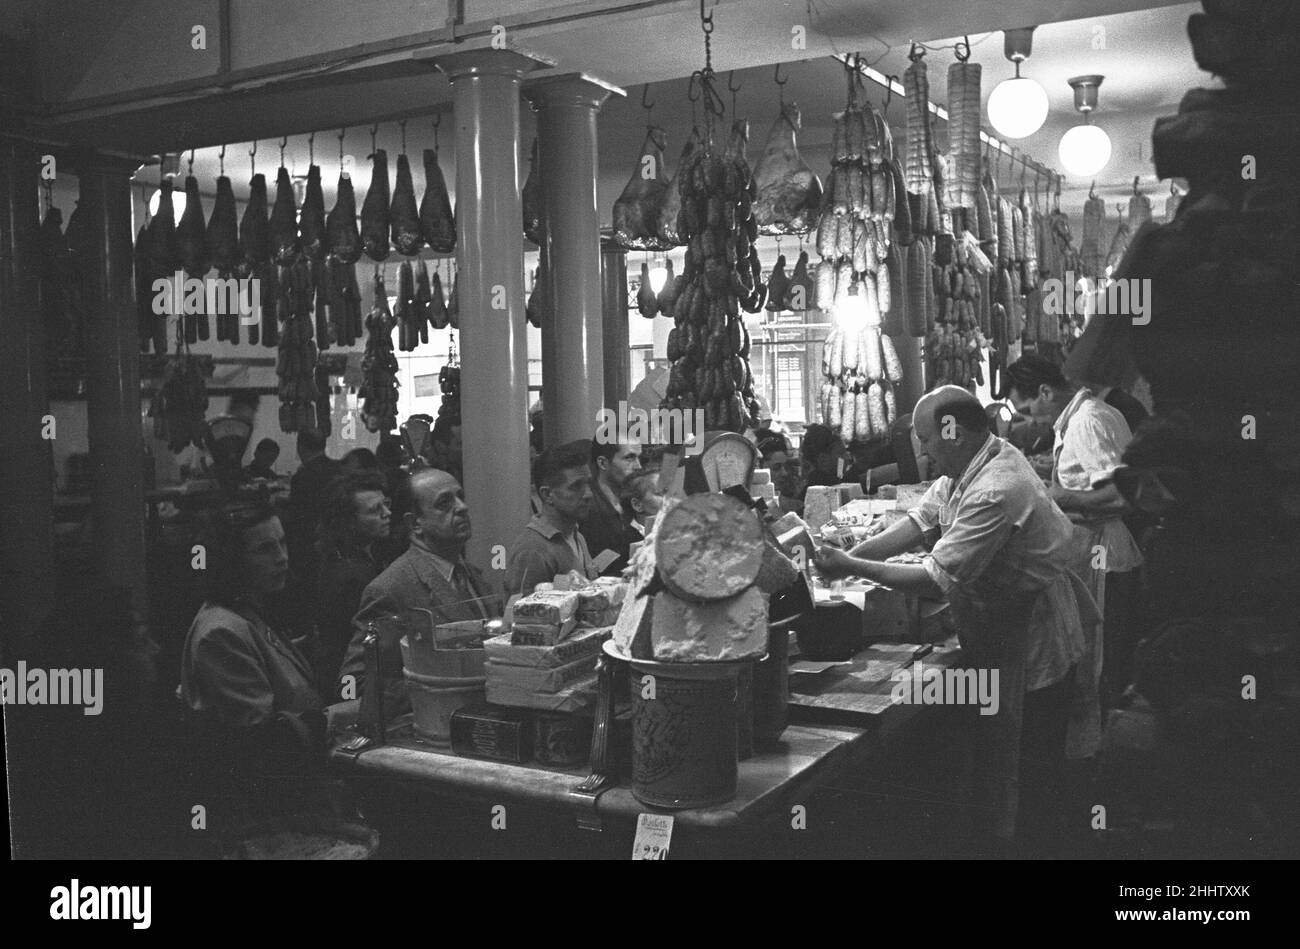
<point x="709" y="547"/>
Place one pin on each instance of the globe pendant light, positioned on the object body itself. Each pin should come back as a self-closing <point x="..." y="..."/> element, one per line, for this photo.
<point x="1085" y="149"/>
<point x="1018" y="106"/>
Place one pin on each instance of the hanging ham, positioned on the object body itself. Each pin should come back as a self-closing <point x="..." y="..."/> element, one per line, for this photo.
<point x="437" y="222"/>
<point x="311" y="224"/>
<point x="404" y="216"/>
<point x="672" y="205"/>
<point x="374" y="210"/>
<point x="341" y="232"/>
<point x="437" y="304"/>
<point x="637" y="210"/>
<point x="192" y="238"/>
<point x="254" y="231"/>
<point x="285" y="243"/>
<point x="789" y="194"/>
<point x="223" y="242"/>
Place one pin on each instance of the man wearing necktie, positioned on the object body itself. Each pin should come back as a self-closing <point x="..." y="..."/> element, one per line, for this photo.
<point x="432" y="575"/>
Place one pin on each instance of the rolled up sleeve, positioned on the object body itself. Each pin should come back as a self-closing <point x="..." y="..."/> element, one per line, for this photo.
<point x="926" y="513"/>
<point x="980" y="529"/>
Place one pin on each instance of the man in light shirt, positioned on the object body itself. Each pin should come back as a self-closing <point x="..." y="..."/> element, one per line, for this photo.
<point x="551" y="544"/>
<point x="1090" y="440"/>
<point x="1001" y="558"/>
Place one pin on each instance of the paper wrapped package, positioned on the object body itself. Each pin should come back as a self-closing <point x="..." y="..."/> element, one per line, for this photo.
<point x="584" y="642"/>
<point x="548" y="608"/>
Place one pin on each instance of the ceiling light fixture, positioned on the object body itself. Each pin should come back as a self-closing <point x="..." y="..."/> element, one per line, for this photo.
<point x="1018" y="106"/>
<point x="658" y="277"/>
<point x="1085" y="149"/>
<point x="177" y="202"/>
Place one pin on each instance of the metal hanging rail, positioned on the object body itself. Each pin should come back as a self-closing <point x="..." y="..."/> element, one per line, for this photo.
<point x="895" y="87"/>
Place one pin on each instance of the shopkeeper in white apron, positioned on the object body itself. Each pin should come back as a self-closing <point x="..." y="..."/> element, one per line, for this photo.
<point x="1090" y="440"/>
<point x="1002" y="560"/>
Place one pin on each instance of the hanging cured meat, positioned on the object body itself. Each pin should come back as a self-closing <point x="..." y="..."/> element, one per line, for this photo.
<point x="437" y="304"/>
<point x="403" y="213"/>
<point x="668" y="293"/>
<point x="296" y="363"/>
<point x="223" y="241"/>
<point x="254" y="230"/>
<point x="285" y="243"/>
<point x="646" y="300"/>
<point x="778" y="286"/>
<point x="964" y="134"/>
<point x="789" y="194"/>
<point x="532" y="201"/>
<point x="801" y="292"/>
<point x="374" y="210"/>
<point x="342" y="236"/>
<point x="637" y="210"/>
<point x="437" y="221"/>
<point x="423" y="300"/>
<point x="536" y="307"/>
<point x="404" y="309"/>
<point x="378" y="393"/>
<point x="709" y="344"/>
<point x="453" y="306"/>
<point x="151" y="328"/>
<point x="311" y="225"/>
<point x="672" y="204"/>
<point x="1090" y="253"/>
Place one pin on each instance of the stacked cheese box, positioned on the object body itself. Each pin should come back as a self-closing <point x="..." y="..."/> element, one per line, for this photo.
<point x="548" y="659"/>
<point x="761" y="487"/>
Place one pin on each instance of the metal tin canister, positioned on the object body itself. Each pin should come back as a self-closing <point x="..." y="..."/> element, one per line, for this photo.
<point x="684" y="737"/>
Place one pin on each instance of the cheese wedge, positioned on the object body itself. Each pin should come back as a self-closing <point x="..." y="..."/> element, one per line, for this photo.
<point x="730" y="629"/>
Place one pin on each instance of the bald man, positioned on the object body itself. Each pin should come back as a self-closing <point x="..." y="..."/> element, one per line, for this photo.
<point x="1001" y="554"/>
<point x="431" y="575"/>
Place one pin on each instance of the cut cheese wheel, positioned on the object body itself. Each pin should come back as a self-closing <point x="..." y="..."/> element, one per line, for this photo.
<point x="709" y="547"/>
<point x="727" y="630"/>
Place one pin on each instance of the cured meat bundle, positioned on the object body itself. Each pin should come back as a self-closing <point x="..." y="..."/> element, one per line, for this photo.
<point x="285" y="243"/>
<point x="403" y="213"/>
<point x="255" y="241"/>
<point x="311" y="224"/>
<point x="374" y="210"/>
<point x="963" y="134"/>
<point x="295" y="364"/>
<point x="637" y="210"/>
<point x="953" y="345"/>
<point x="672" y="203"/>
<point x="223" y="241"/>
<point x="789" y="193"/>
<point x="437" y="221"/>
<point x="378" y="393"/>
<point x="709" y="345"/>
<point x="192" y="241"/>
<point x="1094" y="214"/>
<point x="342" y="236"/>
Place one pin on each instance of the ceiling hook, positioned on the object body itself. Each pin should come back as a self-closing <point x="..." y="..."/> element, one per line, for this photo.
<point x="889" y="92"/>
<point x="1136" y="179"/>
<point x="1092" y="191"/>
<point x="706" y="22"/>
<point x="402" y="125"/>
<point x="648" y="106"/>
<point x="283" y="142"/>
<point x="374" y="130"/>
<point x="221" y="161"/>
<point x="191" y="169"/>
<point x="962" y="49"/>
<point x="916" y="52"/>
<point x="343" y="131"/>
<point x="252" y="159"/>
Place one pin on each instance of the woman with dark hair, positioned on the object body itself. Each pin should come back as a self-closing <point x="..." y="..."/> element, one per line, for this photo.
<point x="360" y="459"/>
<point x="258" y="722"/>
<point x="353" y="546"/>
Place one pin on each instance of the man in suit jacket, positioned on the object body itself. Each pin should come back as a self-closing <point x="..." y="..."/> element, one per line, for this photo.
<point x="431" y="575"/>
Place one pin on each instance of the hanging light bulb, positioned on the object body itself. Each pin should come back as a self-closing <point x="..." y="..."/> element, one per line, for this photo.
<point x="1018" y="106"/>
<point x="851" y="311"/>
<point x="1085" y="149"/>
<point x="658" y="276"/>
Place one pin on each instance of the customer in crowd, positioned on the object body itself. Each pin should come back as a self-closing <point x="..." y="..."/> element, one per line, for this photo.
<point x="258" y="723"/>
<point x="776" y="455"/>
<point x="265" y="456"/>
<point x="91" y="786"/>
<point x="1001" y="556"/>
<point x="352" y="547"/>
<point x="431" y="575"/>
<point x="825" y="458"/>
<point x="444" y="450"/>
<point x="551" y="544"/>
<point x="1090" y="440"/>
<point x="359" y="459"/>
<point x="302" y="519"/>
<point x="606" y="526"/>
<point x="641" y="500"/>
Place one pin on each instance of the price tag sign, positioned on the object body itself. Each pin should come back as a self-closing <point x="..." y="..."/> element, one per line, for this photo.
<point x="653" y="834"/>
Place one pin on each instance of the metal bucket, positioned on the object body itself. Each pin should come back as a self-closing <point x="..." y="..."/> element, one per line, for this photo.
<point x="684" y="739"/>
